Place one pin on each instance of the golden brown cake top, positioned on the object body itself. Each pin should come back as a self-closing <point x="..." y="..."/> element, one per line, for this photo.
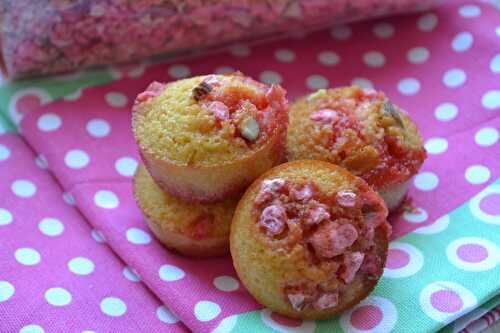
<point x="359" y="129"/>
<point x="208" y="120"/>
<point x="321" y="229"/>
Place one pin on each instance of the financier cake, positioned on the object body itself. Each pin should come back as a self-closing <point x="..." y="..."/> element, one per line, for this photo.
<point x="198" y="230"/>
<point x="206" y="138"/>
<point x="309" y="239"/>
<point x="362" y="131"/>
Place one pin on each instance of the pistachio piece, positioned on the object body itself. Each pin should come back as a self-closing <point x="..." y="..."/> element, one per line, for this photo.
<point x="249" y="128"/>
<point x="318" y="94"/>
<point x="201" y="90"/>
<point x="388" y="108"/>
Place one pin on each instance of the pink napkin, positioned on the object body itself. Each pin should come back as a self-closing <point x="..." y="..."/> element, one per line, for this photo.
<point x="440" y="67"/>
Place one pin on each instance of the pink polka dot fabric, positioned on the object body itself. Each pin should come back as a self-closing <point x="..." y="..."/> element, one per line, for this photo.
<point x="57" y="273"/>
<point x="441" y="67"/>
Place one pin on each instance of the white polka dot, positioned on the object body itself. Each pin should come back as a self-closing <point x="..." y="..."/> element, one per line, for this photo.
<point x="362" y="82"/>
<point x="58" y="296"/>
<point x="426" y="181"/>
<point x="409" y="86"/>
<point x="454" y="78"/>
<point x="497" y="31"/>
<point x="374" y="59"/>
<point x="73" y="96"/>
<point x="206" y="310"/>
<point x="97" y="236"/>
<point x="116" y="99"/>
<point x="226" y="283"/>
<point x="51" y="227"/>
<point x="27" y="256"/>
<point x="240" y="50"/>
<point x="23" y="188"/>
<point x="495" y="64"/>
<point x="284" y="55"/>
<point x="469" y="11"/>
<point x="417" y="55"/>
<point x="32" y="328"/>
<point x="106" y="199"/>
<point x="491" y="99"/>
<point x="414" y="265"/>
<point x="81" y="266"/>
<point x="226" y="325"/>
<point x="341" y="32"/>
<point x="386" y="324"/>
<point x="270" y="77"/>
<point x="7" y="290"/>
<point x="477" y="174"/>
<point x="76" y="159"/>
<point x="491" y="260"/>
<point x="436" y="227"/>
<point x="446" y="111"/>
<point x="137" y="71"/>
<point x="462" y="41"/>
<point x="306" y="326"/>
<point x="165" y="315"/>
<point x="328" y="58"/>
<point x="486" y="136"/>
<point x="224" y="70"/>
<point x="4" y="152"/>
<point x="36" y="95"/>
<point x="420" y="215"/>
<point x="436" y="145"/>
<point x="41" y="162"/>
<point x="315" y="82"/>
<point x="113" y="306"/>
<point x="98" y="128"/>
<point x="88" y="331"/>
<point x="130" y="274"/>
<point x="170" y="273"/>
<point x="468" y="299"/>
<point x="427" y="22"/>
<point x="68" y="198"/>
<point x="49" y="122"/>
<point x="179" y="71"/>
<point x="383" y="30"/>
<point x="138" y="236"/>
<point x="126" y="166"/>
<point x="5" y="217"/>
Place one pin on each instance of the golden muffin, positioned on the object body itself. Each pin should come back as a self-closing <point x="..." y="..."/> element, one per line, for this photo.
<point x="309" y="239"/>
<point x="362" y="131"/>
<point x="197" y="230"/>
<point x="206" y="138"/>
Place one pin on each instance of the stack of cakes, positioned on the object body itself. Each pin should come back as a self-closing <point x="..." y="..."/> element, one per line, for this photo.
<point x="309" y="237"/>
<point x="203" y="140"/>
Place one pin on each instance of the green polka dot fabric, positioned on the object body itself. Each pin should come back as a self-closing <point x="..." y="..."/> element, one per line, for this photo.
<point x="75" y="156"/>
<point x="434" y="276"/>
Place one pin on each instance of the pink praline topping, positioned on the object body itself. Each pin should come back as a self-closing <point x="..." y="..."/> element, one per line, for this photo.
<point x="316" y="215"/>
<point x="326" y="301"/>
<point x="296" y="300"/>
<point x="153" y="90"/>
<point x="273" y="219"/>
<point x="331" y="240"/>
<point x="325" y="116"/>
<point x="346" y="198"/>
<point x="351" y="264"/>
<point x="218" y="109"/>
<point x="269" y="189"/>
<point x="276" y="96"/>
<point x="303" y="194"/>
